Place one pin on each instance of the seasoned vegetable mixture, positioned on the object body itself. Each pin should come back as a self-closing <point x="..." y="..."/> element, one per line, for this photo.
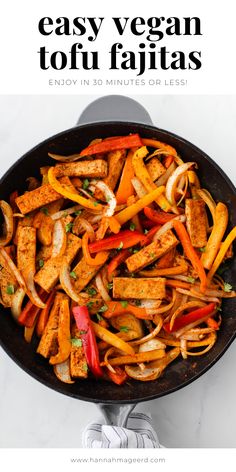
<point x="112" y="260"/>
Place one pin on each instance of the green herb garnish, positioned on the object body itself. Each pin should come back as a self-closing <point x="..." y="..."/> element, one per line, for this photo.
<point x="227" y="287"/>
<point x="85" y="367"/>
<point x="202" y="249"/>
<point x="191" y="280"/>
<point x="99" y="317"/>
<point x="91" y="291"/>
<point x="135" y="250"/>
<point x="137" y="302"/>
<point x="95" y="204"/>
<point x="78" y="212"/>
<point x="108" y="199"/>
<point x="76" y="342"/>
<point x="152" y="254"/>
<point x="103" y="309"/>
<point x="45" y="211"/>
<point x="85" y="184"/>
<point x="82" y="331"/>
<point x="89" y="304"/>
<point x="73" y="275"/>
<point x="124" y="329"/>
<point x="68" y="227"/>
<point x="120" y="246"/>
<point x="146" y="231"/>
<point x="10" y="289"/>
<point x="124" y="303"/>
<point x="132" y="226"/>
<point x="110" y="286"/>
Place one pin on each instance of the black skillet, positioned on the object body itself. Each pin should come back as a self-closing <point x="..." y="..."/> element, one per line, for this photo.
<point x="116" y="402"/>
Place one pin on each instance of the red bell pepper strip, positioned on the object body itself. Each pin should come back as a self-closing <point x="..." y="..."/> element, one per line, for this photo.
<point x="124" y="142"/>
<point x="122" y="240"/>
<point x="43" y="317"/>
<point x="191" y="317"/>
<point x="83" y="323"/>
<point x="158" y="217"/>
<point x="150" y="234"/>
<point x="117" y="260"/>
<point x="119" y="376"/>
<point x="191" y="253"/>
<point x="167" y="161"/>
<point x="31" y="311"/>
<point x="148" y="224"/>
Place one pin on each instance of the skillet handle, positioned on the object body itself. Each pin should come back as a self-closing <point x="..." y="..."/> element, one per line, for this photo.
<point x="114" y="108"/>
<point x="116" y="415"/>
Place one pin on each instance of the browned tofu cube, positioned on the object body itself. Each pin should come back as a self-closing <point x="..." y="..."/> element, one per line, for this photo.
<point x="125" y="287"/>
<point x="8" y="283"/>
<point x="48" y="345"/>
<point x="196" y="222"/>
<point x="48" y="275"/>
<point x="155" y="168"/>
<point x="78" y="364"/>
<point x="152" y="252"/>
<point x="84" y="273"/>
<point x="26" y="250"/>
<point x="96" y="168"/>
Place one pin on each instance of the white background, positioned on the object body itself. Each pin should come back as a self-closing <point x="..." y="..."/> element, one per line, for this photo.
<point x="200" y="415"/>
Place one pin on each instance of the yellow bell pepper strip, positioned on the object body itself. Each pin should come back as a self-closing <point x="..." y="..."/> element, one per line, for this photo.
<point x="191" y="253"/>
<point x="137" y="358"/>
<point x="99" y="259"/>
<point x="125" y="189"/>
<point x="122" y="308"/>
<point x="142" y="173"/>
<point x="125" y="215"/>
<point x="167" y="272"/>
<point x="122" y="240"/>
<point x="87" y="334"/>
<point x="67" y="193"/>
<point x="221" y="254"/>
<point x="159" y="145"/>
<point x="64" y="343"/>
<point x="123" y="142"/>
<point x="214" y="241"/>
<point x="191" y="317"/>
<point x="112" y="339"/>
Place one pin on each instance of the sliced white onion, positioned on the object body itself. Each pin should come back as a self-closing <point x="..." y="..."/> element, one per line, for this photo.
<point x="149" y="303"/>
<point x="13" y="269"/>
<point x="81" y="224"/>
<point x="17" y="301"/>
<point x="110" y="198"/>
<point x="138" y="187"/>
<point x="58" y="239"/>
<point x="62" y="372"/>
<point x="183" y="348"/>
<point x="101" y="289"/>
<point x="8" y="223"/>
<point x="173" y="182"/>
<point x="71" y="158"/>
<point x="196" y="295"/>
<point x="65" y="281"/>
<point x="68" y="211"/>
<point x="163" y="179"/>
<point x="167" y="226"/>
<point x="151" y="345"/>
<point x="32" y="292"/>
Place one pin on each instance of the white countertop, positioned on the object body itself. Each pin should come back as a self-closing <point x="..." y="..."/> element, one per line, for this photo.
<point x="202" y="414"/>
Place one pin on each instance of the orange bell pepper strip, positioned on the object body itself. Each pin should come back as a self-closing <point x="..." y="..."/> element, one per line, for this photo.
<point x="125" y="189"/>
<point x="123" y="142"/>
<point x="212" y="323"/>
<point x="99" y="259"/>
<point x="191" y="253"/>
<point x="142" y="173"/>
<point x="117" y="260"/>
<point x="125" y="215"/>
<point x="159" y="145"/>
<point x="64" y="343"/>
<point x="64" y="190"/>
<point x="123" y="240"/>
<point x="118" y="308"/>
<point x="167" y="161"/>
<point x="221" y="254"/>
<point x="44" y="314"/>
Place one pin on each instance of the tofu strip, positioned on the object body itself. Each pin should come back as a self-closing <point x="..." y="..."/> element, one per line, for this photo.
<point x="77" y="357"/>
<point x="48" y="275"/>
<point x="84" y="273"/>
<point x="26" y="250"/>
<point x="125" y="287"/>
<point x="6" y="280"/>
<point x="116" y="160"/>
<point x="39" y="197"/>
<point x="155" y="168"/>
<point x="48" y="345"/>
<point x="196" y="222"/>
<point x="96" y="168"/>
<point x="152" y="252"/>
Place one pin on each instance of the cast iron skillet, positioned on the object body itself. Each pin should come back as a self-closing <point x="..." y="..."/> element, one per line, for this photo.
<point x="179" y="373"/>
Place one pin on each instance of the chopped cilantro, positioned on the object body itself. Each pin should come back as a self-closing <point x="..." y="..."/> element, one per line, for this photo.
<point x="124" y="329"/>
<point x="110" y="286"/>
<point x="191" y="280"/>
<point x="76" y="342"/>
<point x="152" y="254"/>
<point x="103" y="309"/>
<point x="219" y="308"/>
<point x="89" y="304"/>
<point x="65" y="214"/>
<point x="108" y="199"/>
<point x="146" y="231"/>
<point x="82" y="331"/>
<point x="10" y="289"/>
<point x="68" y="227"/>
<point x="202" y="249"/>
<point x="95" y="204"/>
<point x="137" y="302"/>
<point x="99" y="317"/>
<point x="132" y="226"/>
<point x="134" y="251"/>
<point x="227" y="287"/>
<point x="78" y="212"/>
<point x="85" y="367"/>
<point x="41" y="263"/>
<point x="124" y="303"/>
<point x="73" y="275"/>
<point x="85" y="184"/>
<point x="91" y="291"/>
<point x="120" y="246"/>
<point x="163" y="207"/>
<point x="44" y="210"/>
